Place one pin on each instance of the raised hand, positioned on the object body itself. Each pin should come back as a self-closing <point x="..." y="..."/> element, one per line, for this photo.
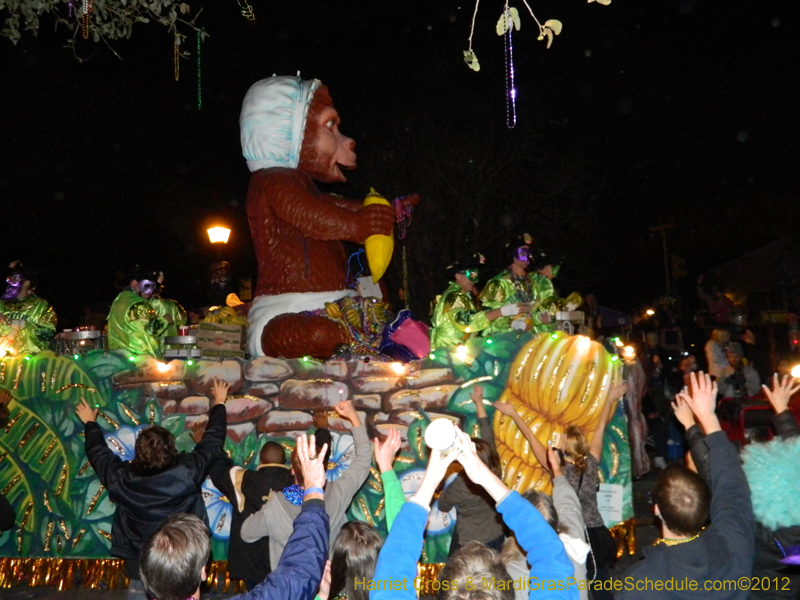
<point x="197" y="432"/>
<point x="682" y="410"/>
<point x="386" y="451"/>
<point x="702" y="400"/>
<point x="86" y="413"/>
<point x="554" y="460"/>
<point x="782" y="391"/>
<point x="312" y="464"/>
<point x="477" y="397"/>
<point x="219" y="390"/>
<point x="617" y="391"/>
<point x="346" y="410"/>
<point x="477" y="470"/>
<point x="505" y="408"/>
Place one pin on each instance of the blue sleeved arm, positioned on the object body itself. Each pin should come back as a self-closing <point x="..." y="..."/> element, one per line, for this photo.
<point x="397" y="562"/>
<point x="299" y="570"/>
<point x="546" y="554"/>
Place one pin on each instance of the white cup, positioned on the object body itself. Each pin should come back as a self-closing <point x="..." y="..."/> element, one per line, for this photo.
<point x="441" y="435"/>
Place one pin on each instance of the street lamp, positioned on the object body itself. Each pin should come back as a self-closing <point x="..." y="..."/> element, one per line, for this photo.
<point x="218" y="234"/>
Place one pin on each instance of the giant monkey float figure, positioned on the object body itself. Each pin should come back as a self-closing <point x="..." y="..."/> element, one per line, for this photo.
<point x="290" y="137"/>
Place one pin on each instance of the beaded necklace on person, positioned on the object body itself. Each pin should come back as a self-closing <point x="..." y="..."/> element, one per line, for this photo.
<point x="669" y="542"/>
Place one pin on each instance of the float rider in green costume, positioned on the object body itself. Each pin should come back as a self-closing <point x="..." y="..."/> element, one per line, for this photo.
<point x="546" y="269"/>
<point x="456" y="317"/>
<point x="133" y="324"/>
<point x="27" y="322"/>
<point x="511" y="286"/>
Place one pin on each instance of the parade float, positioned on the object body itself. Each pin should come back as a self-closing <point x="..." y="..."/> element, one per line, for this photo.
<point x="313" y="341"/>
<point x="64" y="514"/>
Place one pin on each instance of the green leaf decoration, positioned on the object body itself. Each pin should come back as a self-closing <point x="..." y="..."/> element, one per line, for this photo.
<point x="471" y="60"/>
<point x="502" y="24"/>
<point x="553" y="24"/>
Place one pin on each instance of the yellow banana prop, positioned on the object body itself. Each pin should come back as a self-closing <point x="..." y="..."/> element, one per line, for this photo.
<point x="379" y="247"/>
<point x="556" y="381"/>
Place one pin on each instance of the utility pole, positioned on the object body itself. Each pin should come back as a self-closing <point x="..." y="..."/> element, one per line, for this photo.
<point x="662" y="229"/>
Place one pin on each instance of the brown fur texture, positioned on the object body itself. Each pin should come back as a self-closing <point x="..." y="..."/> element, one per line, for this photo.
<point x="297" y="233"/>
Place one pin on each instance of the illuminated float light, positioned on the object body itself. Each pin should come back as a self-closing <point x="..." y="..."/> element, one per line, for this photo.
<point x="28" y="357"/>
<point x="584" y="343"/>
<point x="628" y="352"/>
<point x="218" y="235"/>
<point x="190" y="362"/>
<point x="553" y="336"/>
<point x="488" y="340"/>
<point x="796" y="371"/>
<point x="132" y="358"/>
<point x="76" y="356"/>
<point x="618" y="343"/>
<point x="162" y="367"/>
<point x="614" y="358"/>
<point x="305" y="359"/>
<point x="461" y="353"/>
<point x="650" y="312"/>
<point x="431" y="356"/>
<point x="398" y="368"/>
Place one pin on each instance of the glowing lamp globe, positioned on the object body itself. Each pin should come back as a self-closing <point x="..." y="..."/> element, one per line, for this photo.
<point x="796" y="371"/>
<point x="219" y="235"/>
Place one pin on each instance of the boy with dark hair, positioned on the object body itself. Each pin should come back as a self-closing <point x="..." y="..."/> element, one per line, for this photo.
<point x="158" y="483"/>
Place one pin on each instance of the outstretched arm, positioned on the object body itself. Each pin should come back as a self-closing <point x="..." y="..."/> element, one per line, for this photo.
<point x="398" y="558"/>
<point x="779" y="396"/>
<point x="536" y="446"/>
<point x="614" y="394"/>
<point x="302" y="563"/>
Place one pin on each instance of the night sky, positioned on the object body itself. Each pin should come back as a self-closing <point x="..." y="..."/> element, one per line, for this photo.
<point x="640" y="114"/>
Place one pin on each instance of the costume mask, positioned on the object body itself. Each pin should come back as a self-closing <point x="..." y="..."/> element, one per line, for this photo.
<point x="13" y="284"/>
<point x="522" y="254"/>
<point x="472" y="275"/>
<point x="147" y="287"/>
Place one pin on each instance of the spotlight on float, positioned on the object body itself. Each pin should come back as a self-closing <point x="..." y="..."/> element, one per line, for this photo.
<point x="796" y="371"/>
<point x="398" y="368"/>
<point x="649" y="312"/>
<point x="162" y="367"/>
<point x="461" y="353"/>
<point x="218" y="235"/>
<point x="628" y="352"/>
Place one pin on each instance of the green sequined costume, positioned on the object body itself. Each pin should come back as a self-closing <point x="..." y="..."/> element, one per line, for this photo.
<point x="164" y="307"/>
<point x="38" y="329"/>
<point x="545" y="300"/>
<point x="456" y="318"/>
<point x="505" y="288"/>
<point x="134" y="326"/>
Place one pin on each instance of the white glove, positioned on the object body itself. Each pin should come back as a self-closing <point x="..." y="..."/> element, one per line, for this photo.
<point x="519" y="325"/>
<point x="576" y="549"/>
<point x="509" y="310"/>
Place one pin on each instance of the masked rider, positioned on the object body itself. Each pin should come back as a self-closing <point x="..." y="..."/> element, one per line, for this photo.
<point x="27" y="322"/>
<point x="133" y="324"/>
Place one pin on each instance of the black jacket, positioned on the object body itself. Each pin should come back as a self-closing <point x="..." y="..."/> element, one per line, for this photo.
<point x="248" y="561"/>
<point x="145" y="502"/>
<point x="723" y="552"/>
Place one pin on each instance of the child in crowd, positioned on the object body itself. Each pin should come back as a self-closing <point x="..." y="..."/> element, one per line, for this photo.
<point x="582" y="461"/>
<point x="477" y="518"/>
